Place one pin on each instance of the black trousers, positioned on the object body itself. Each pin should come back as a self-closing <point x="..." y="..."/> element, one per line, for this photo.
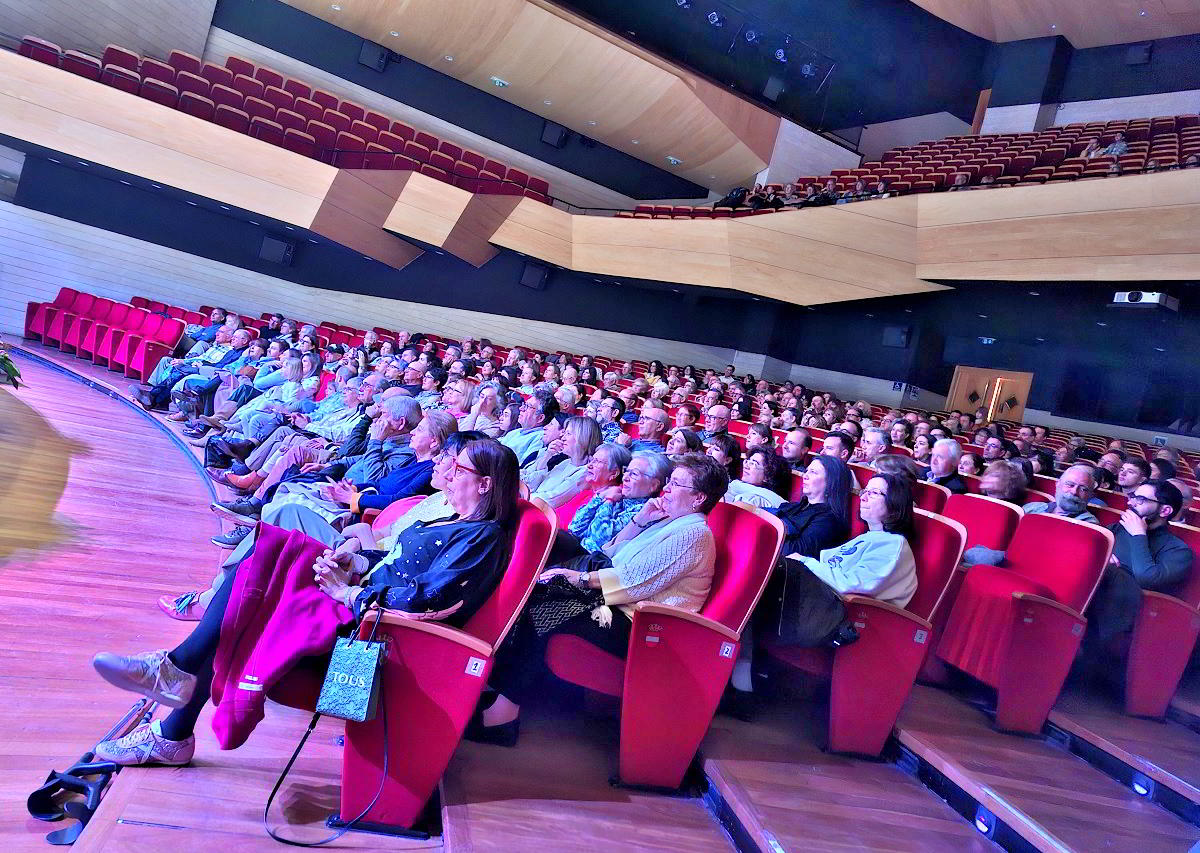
<point x="521" y="658"/>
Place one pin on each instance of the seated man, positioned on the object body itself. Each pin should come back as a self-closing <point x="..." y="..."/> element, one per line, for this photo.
<point x="608" y="414"/>
<point x="716" y="422"/>
<point x="535" y="413"/>
<point x="875" y="443"/>
<point x="651" y="428"/>
<point x="195" y="333"/>
<point x="1133" y="473"/>
<point x="1117" y="148"/>
<point x="943" y="465"/>
<point x="796" y="445"/>
<point x="839" y="444"/>
<point x="227" y="347"/>
<point x="1146" y="555"/>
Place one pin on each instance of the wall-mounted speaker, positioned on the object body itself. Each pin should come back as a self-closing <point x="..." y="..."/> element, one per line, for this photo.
<point x="535" y="275"/>
<point x="277" y="251"/>
<point x="554" y="134"/>
<point x="1139" y="54"/>
<point x="374" y="56"/>
<point x="773" y="89"/>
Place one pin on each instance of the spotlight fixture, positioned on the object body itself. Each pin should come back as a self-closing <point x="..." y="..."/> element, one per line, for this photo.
<point x="547" y="102"/>
<point x="335" y="7"/>
<point x="716" y="19"/>
<point x="684" y="4"/>
<point x="751" y="36"/>
<point x="808" y="69"/>
<point x="394" y="33"/>
<point x="1141" y="13"/>
<point x="780" y="55"/>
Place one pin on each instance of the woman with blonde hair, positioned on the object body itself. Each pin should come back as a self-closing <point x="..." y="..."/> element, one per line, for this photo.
<point x="581" y="437"/>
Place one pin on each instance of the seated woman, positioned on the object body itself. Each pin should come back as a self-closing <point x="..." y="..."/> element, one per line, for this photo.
<point x="921" y="450"/>
<point x="970" y="464"/>
<point x="681" y="440"/>
<point x="450" y="565"/>
<point x="666" y="554"/>
<point x="724" y="448"/>
<point x="760" y="473"/>
<point x="581" y="437"/>
<point x="609" y="511"/>
<point x="1004" y="481"/>
<point x="759" y="435"/>
<point x="484" y="406"/>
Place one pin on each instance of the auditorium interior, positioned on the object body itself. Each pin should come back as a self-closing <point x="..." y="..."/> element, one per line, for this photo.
<point x="835" y="352"/>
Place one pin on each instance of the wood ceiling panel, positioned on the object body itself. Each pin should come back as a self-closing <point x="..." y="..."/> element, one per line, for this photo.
<point x="596" y="84"/>
<point x="1082" y="22"/>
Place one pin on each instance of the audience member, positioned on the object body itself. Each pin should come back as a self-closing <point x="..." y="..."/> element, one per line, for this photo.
<point x="1132" y="474"/>
<point x="944" y="460"/>
<point x="756" y="486"/>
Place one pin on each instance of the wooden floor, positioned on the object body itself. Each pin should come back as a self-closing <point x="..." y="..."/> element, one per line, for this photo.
<point x="1052" y="798"/>
<point x="1165" y="751"/>
<point x="551" y="793"/>
<point x="785" y="790"/>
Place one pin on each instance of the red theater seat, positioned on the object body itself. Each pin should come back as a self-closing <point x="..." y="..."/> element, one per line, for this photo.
<point x="40" y="50"/>
<point x="278" y="98"/>
<point x="121" y="78"/>
<point x="223" y="95"/>
<point x="1164" y="635"/>
<point x="297" y="88"/>
<point x="1017" y="627"/>
<point x="197" y="105"/>
<point x="38" y="315"/>
<point x="156" y="90"/>
<point x="871" y="678"/>
<point x="238" y="65"/>
<point x="186" y="81"/>
<point x="105" y="344"/>
<point x="215" y="74"/>
<point x="183" y="61"/>
<point x="158" y="343"/>
<point x="300" y="142"/>
<point x="232" y="118"/>
<point x="52" y="333"/>
<point x="83" y="64"/>
<point x="75" y="326"/>
<point x="157" y="70"/>
<point x="248" y="86"/>
<point x="433" y="676"/>
<point x="269" y="77"/>
<point x="121" y="57"/>
<point x="679" y="662"/>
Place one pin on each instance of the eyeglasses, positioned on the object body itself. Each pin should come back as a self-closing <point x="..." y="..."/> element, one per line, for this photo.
<point x="878" y="493"/>
<point x="1141" y="499"/>
<point x="753" y="463"/>
<point x="675" y="484"/>
<point x="458" y="466"/>
<point x="643" y="419"/>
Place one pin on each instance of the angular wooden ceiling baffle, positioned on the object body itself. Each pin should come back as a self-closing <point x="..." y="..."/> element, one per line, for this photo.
<point x="562" y="67"/>
<point x="1085" y="23"/>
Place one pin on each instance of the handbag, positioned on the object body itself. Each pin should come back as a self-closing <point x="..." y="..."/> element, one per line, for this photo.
<point x="344" y="698"/>
<point x="559" y="601"/>
<point x="351" y="687"/>
<point x="811" y="613"/>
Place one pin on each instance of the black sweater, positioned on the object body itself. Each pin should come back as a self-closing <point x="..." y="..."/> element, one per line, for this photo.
<point x="809" y="528"/>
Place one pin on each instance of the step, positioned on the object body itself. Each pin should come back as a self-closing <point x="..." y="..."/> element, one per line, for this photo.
<point x="772" y="781"/>
<point x="1162" y="759"/>
<point x="1053" y="800"/>
<point x="552" y="793"/>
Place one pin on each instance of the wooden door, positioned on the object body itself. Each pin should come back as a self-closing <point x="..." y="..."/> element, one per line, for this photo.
<point x="1003" y="393"/>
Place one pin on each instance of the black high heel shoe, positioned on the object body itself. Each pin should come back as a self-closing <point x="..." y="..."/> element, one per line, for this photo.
<point x="504" y="734"/>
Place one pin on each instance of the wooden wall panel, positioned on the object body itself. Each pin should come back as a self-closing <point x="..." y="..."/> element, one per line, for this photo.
<point x="153" y="27"/>
<point x="552" y="59"/>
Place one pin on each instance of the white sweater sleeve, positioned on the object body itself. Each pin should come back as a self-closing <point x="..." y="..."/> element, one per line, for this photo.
<point x="862" y="566"/>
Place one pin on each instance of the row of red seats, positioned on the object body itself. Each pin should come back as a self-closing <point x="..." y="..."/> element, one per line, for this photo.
<point x="262" y="103"/>
<point x="116" y="335"/>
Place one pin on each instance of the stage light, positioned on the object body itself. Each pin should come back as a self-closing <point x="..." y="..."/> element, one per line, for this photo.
<point x="781" y="55"/>
<point x="684" y="4"/>
<point x="716" y="19"/>
<point x="1142" y="785"/>
<point x="751" y="36"/>
<point x="808" y="69"/>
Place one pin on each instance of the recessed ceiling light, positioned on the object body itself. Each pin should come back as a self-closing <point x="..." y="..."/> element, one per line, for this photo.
<point x="1040" y="340"/>
<point x="335" y="7"/>
<point x="982" y="316"/>
<point x="591" y="123"/>
<point x="1141" y="13"/>
<point x="52" y="160"/>
<point x="907" y="310"/>
<point x="1035" y="293"/>
<point x="1102" y="324"/>
<point x="1159" y="349"/>
<point x="596" y="280"/>
<point x="252" y="222"/>
<point x="636" y="141"/>
<point x="225" y="207"/>
<point x="674" y="161"/>
<point x="80" y="163"/>
<point x="394" y="33"/>
<point x="1054" y="26"/>
<point x="289" y="228"/>
<point x="870" y="315"/>
<point x="448" y="58"/>
<point x="499" y="83"/>
<point x="311" y="240"/>
<point x="547" y="102"/>
<point x="157" y="186"/>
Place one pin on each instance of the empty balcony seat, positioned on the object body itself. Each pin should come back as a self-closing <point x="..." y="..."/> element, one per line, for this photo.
<point x="390" y="141"/>
<point x="232" y="118"/>
<point x="186" y="81"/>
<point x="121" y="78"/>
<point x="349" y="154"/>
<point x="338" y="121"/>
<point x="266" y="130"/>
<point x="83" y="64"/>
<point x="223" y="95"/>
<point x="310" y="109"/>
<point x="325" y="99"/>
<point x="403" y="131"/>
<point x="441" y="161"/>
<point x="160" y="92"/>
<point x="301" y="142"/>
<point x="297" y="88"/>
<point x="291" y="120"/>
<point x="248" y="86"/>
<point x="428" y="140"/>
<point x="183" y="61"/>
<point x="269" y="77"/>
<point x="215" y="74"/>
<point x="377" y="120"/>
<point x="378" y="157"/>
<point x="197" y="105"/>
<point x="121" y="57"/>
<point x="258" y="108"/>
<point x="278" y="98"/>
<point x="240" y="65"/>
<point x="40" y="50"/>
<point x="368" y="132"/>
<point x="324" y="137"/>
<point x="157" y="70"/>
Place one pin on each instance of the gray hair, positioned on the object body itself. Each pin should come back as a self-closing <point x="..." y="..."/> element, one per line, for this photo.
<point x="955" y="448"/>
<point x="403" y="407"/>
<point x="1088" y="469"/>
<point x="308" y="329"/>
<point x="658" y="465"/>
<point x="571" y="392"/>
<point x="617" y="455"/>
<point x="882" y="433"/>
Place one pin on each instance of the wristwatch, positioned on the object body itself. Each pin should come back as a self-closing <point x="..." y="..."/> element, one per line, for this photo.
<point x="583" y="580"/>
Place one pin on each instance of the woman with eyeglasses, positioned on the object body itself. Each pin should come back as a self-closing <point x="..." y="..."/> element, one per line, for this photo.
<point x="563" y="481"/>
<point x="756" y="486"/>
<point x="443" y="569"/>
<point x="724" y="448"/>
<point x="666" y="554"/>
<point x="681" y="440"/>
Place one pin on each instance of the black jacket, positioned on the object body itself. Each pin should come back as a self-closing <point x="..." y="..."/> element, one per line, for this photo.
<point x="809" y="528"/>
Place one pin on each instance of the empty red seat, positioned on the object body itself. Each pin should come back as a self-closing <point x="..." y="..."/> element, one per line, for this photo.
<point x="336" y="120"/>
<point x="367" y="132"/>
<point x="290" y="120"/>
<point x="220" y="94"/>
<point x="440" y="161"/>
<point x="40" y="50"/>
<point x="239" y="65"/>
<point x="390" y="141"/>
<point x="232" y="118"/>
<point x="466" y="177"/>
<point x="197" y="105"/>
<point x="266" y="130"/>
<point x="309" y="109"/>
<point x="378" y="157"/>
<point x="75" y="326"/>
<point x="83" y="64"/>
<point x="354" y="110"/>
<point x="435" y="172"/>
<point x="324" y="137"/>
<point x="349" y="151"/>
<point x="248" y="86"/>
<point x="183" y="61"/>
<point x="297" y="88"/>
<point x="157" y="70"/>
<point x="428" y="140"/>
<point x="403" y="131"/>
<point x="451" y="150"/>
<point x="325" y="99"/>
<point x="377" y="120"/>
<point x="1017" y="627"/>
<point x="278" y="98"/>
<point x="121" y="57"/>
<point x="186" y="81"/>
<point x="215" y="74"/>
<point x="108" y="336"/>
<point x="55" y="319"/>
<point x="156" y="90"/>
<point x="416" y="152"/>
<point x="300" y="141"/>
<point x="518" y="177"/>
<point x="269" y="77"/>
<point x="258" y="108"/>
<point x="121" y="78"/>
<point x="489" y="183"/>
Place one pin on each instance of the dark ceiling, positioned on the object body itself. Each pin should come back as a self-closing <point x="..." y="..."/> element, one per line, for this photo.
<point x="885" y="59"/>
